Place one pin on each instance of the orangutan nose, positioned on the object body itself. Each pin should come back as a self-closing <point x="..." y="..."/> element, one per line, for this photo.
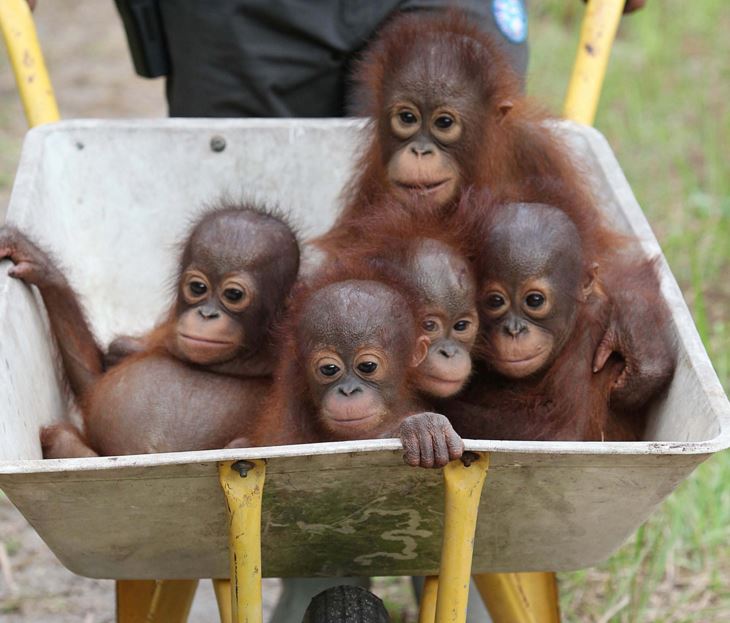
<point x="514" y="327"/>
<point x="348" y="389"/>
<point x="448" y="351"/>
<point x="208" y="312"/>
<point x="421" y="150"/>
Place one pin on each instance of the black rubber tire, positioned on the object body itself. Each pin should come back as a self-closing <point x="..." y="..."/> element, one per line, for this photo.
<point x="346" y="604"/>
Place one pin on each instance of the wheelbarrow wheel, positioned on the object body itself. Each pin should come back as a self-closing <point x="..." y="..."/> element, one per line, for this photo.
<point x="346" y="604"/>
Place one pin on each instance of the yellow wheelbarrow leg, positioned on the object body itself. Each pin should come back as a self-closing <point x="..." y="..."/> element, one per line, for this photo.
<point x="134" y="598"/>
<point x="222" y="590"/>
<point x="596" y="38"/>
<point x="154" y="601"/>
<point x="520" y="597"/>
<point x="243" y="486"/>
<point x="463" y="481"/>
<point x="31" y="76"/>
<point x="427" y="607"/>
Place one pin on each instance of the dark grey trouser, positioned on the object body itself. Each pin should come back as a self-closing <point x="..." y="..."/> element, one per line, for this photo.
<point x="281" y="58"/>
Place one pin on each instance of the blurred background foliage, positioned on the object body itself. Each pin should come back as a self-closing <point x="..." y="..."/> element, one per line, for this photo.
<point x="664" y="110"/>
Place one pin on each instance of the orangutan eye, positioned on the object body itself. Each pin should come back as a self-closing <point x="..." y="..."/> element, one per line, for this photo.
<point x="367" y="367"/>
<point x="534" y="300"/>
<point x="444" y="122"/>
<point x="198" y="288"/>
<point x="233" y="294"/>
<point x="407" y="117"/>
<point x="430" y="325"/>
<point x="495" y="301"/>
<point x="462" y="325"/>
<point x="329" y="370"/>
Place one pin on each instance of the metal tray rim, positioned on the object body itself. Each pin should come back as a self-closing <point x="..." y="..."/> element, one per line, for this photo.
<point x="590" y="448"/>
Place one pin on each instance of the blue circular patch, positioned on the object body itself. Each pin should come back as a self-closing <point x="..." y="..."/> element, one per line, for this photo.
<point x="511" y="19"/>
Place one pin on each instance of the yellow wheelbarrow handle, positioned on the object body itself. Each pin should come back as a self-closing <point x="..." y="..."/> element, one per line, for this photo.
<point x="596" y="38"/>
<point x="31" y="75"/>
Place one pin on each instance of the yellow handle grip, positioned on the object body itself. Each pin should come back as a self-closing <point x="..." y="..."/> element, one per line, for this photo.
<point x="26" y="58"/>
<point x="596" y="38"/>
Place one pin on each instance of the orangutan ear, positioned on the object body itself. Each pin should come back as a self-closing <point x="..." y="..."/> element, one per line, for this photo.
<point x="590" y="281"/>
<point x="421" y="351"/>
<point x="503" y="109"/>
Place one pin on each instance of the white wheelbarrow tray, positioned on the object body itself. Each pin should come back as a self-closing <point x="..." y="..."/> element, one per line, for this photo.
<point x="110" y="199"/>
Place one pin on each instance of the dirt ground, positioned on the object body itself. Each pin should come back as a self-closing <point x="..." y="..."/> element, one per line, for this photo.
<point x="92" y="74"/>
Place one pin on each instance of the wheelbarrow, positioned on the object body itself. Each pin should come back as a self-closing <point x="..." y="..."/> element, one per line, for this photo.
<point x="110" y="199"/>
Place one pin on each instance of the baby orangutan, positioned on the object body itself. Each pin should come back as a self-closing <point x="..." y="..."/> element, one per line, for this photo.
<point x="204" y="372"/>
<point x="544" y="315"/>
<point x="410" y="242"/>
<point x="347" y="372"/>
<point x="445" y="283"/>
<point x="447" y="114"/>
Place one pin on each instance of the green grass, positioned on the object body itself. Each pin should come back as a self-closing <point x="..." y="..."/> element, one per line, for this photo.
<point x="664" y="110"/>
